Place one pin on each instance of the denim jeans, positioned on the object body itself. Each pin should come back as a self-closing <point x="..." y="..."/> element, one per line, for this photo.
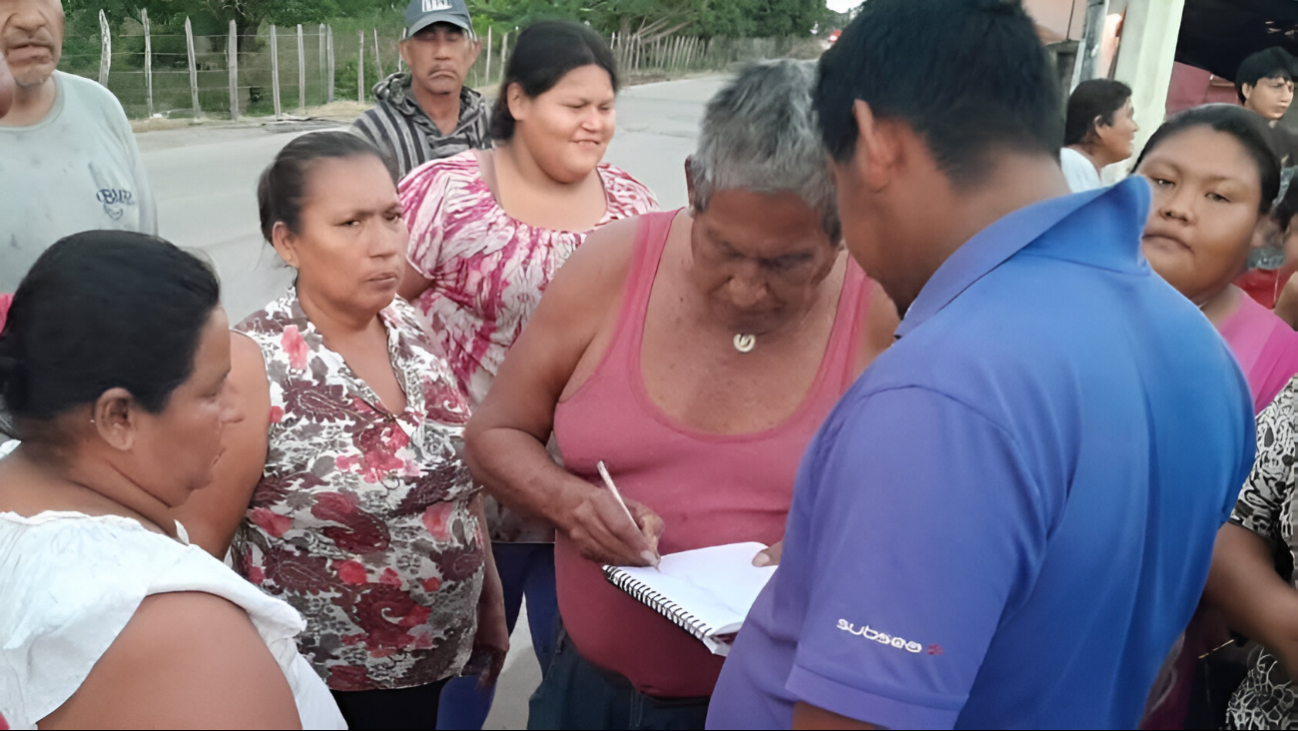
<point x="576" y="694"/>
<point x="526" y="569"/>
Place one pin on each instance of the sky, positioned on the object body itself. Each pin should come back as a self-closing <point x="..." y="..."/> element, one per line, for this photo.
<point x="842" y="6"/>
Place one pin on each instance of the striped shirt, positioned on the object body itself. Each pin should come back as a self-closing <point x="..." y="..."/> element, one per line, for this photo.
<point x="407" y="136"/>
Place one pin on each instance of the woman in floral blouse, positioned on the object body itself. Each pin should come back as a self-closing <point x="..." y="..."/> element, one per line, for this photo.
<point x="1252" y="579"/>
<point x="354" y="505"/>
<point x="489" y="228"/>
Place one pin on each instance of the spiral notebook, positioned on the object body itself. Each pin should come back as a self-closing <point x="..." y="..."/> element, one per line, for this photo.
<point x="706" y="592"/>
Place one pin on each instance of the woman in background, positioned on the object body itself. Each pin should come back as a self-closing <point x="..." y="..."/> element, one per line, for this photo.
<point x="1214" y="177"/>
<point x="113" y="370"/>
<point x="1098" y="132"/>
<point x="489" y="230"/>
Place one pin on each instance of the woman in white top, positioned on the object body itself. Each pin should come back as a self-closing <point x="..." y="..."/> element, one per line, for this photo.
<point x="113" y="368"/>
<point x="1099" y="131"/>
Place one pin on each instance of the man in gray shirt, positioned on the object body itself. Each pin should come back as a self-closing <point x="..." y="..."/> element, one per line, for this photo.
<point x="6" y="86"/>
<point x="427" y="113"/>
<point x="68" y="159"/>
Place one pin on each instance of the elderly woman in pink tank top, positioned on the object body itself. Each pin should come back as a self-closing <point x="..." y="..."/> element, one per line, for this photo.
<point x="695" y="352"/>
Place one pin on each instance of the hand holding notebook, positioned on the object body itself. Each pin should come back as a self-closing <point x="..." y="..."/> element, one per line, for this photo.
<point x="706" y="592"/>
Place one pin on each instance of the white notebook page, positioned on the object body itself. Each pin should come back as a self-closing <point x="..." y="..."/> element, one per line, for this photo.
<point x="717" y="585"/>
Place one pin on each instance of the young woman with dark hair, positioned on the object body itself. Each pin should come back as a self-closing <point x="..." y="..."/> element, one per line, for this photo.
<point x="344" y="492"/>
<point x="1215" y="176"/>
<point x="490" y="229"/>
<point x="113" y="367"/>
<point x="1098" y="132"/>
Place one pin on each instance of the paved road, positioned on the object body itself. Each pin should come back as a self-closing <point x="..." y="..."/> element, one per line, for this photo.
<point x="205" y="183"/>
<point x="205" y="179"/>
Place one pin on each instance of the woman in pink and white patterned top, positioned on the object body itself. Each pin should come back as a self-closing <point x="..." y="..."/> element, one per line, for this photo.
<point x="488" y="231"/>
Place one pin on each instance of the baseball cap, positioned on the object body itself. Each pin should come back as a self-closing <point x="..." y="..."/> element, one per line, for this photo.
<point x="422" y="13"/>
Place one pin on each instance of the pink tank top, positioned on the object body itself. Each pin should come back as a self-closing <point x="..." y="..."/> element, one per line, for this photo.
<point x="710" y="489"/>
<point x="1266" y="348"/>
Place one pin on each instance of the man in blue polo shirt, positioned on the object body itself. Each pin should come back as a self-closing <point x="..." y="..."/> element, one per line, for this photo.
<point x="1008" y="519"/>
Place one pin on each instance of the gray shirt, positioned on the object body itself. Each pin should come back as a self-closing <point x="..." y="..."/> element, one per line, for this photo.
<point x="76" y="170"/>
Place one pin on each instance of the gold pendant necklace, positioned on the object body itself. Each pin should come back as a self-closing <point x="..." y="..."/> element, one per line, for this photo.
<point x="745" y="343"/>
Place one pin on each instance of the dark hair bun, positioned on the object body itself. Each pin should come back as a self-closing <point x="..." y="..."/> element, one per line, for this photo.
<point x="101" y="310"/>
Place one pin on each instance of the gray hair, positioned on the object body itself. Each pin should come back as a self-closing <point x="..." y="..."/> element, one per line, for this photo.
<point x="759" y="133"/>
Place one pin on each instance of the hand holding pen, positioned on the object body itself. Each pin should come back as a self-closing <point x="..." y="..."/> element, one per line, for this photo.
<point x="608" y="529"/>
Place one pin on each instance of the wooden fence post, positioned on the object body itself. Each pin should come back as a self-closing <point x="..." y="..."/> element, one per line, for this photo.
<point x="301" y="71"/>
<point x="401" y="62"/>
<point x="329" y="95"/>
<point x="105" y="50"/>
<point x="232" y="63"/>
<point x="193" y="66"/>
<point x="274" y="72"/>
<point x="360" y="70"/>
<point x="320" y="46"/>
<point x="378" y="60"/>
<point x="148" y="61"/>
<point x="488" y="81"/>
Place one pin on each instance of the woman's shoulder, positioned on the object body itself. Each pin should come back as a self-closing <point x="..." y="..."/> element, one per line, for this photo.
<point x="77" y="581"/>
<point x="278" y="314"/>
<point x="459" y="172"/>
<point x="183" y="658"/>
<point x="443" y="198"/>
<point x="95" y="563"/>
<point x="628" y="194"/>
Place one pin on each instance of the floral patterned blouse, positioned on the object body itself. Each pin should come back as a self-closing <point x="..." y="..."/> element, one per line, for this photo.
<point x="361" y="520"/>
<point x="488" y="271"/>
<point x="1267" y="506"/>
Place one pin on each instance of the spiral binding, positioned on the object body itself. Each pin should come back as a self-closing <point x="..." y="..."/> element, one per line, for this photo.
<point x="657" y="602"/>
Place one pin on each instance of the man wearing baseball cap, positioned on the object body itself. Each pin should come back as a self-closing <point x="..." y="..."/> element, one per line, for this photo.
<point x="426" y="113"/>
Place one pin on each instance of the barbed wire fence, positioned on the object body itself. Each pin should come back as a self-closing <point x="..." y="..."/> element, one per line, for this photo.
<point x="289" y="70"/>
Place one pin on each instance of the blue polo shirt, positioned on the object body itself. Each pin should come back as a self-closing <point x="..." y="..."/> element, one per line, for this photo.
<point x="1008" y="519"/>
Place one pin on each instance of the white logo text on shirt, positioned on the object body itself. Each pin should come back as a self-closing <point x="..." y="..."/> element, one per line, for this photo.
<point x="882" y="638"/>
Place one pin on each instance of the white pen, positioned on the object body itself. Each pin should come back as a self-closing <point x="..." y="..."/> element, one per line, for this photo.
<point x="617" y="495"/>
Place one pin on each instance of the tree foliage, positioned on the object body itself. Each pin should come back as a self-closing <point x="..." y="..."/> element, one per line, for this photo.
<point x="651" y="18"/>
